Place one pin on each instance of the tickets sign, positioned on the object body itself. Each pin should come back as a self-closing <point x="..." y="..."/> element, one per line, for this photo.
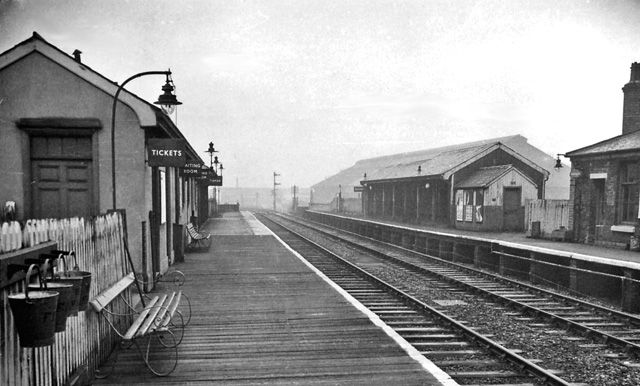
<point x="166" y="152"/>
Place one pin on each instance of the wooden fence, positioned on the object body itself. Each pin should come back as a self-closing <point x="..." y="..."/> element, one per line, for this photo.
<point x="553" y="215"/>
<point x="87" y="339"/>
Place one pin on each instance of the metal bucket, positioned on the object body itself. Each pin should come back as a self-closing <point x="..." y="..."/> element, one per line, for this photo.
<point x="76" y="283"/>
<point x="66" y="299"/>
<point x="75" y="275"/>
<point x="34" y="314"/>
<point x="85" y="285"/>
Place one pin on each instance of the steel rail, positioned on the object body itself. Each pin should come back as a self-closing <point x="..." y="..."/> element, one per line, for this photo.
<point x="620" y="314"/>
<point x="520" y="362"/>
<point x="608" y="338"/>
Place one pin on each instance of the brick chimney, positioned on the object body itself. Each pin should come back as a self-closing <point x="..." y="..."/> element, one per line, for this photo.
<point x="631" y="104"/>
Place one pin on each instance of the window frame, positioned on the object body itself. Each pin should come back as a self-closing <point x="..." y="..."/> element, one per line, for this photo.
<point x="629" y="206"/>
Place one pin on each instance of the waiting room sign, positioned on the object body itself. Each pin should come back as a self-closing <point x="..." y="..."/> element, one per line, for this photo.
<point x="166" y="152"/>
<point x="191" y="169"/>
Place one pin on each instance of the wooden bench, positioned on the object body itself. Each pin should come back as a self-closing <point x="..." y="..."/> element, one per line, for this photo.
<point x="199" y="240"/>
<point x="153" y="329"/>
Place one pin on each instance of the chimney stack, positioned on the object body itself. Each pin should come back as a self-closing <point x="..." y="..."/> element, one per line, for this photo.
<point x="631" y="104"/>
<point x="76" y="56"/>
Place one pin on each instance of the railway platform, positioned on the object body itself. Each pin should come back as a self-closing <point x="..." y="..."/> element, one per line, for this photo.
<point x="261" y="315"/>
<point x="521" y="239"/>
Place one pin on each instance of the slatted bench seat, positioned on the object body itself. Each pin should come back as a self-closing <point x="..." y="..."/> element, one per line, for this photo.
<point x="156" y="331"/>
<point x="199" y="240"/>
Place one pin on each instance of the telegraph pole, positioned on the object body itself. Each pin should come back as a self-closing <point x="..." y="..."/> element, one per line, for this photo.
<point x="295" y="198"/>
<point x="274" y="189"/>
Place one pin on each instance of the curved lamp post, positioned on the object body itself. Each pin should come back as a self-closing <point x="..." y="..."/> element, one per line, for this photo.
<point x="167" y="100"/>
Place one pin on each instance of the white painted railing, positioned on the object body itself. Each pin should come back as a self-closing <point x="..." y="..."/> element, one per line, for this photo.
<point x="86" y="340"/>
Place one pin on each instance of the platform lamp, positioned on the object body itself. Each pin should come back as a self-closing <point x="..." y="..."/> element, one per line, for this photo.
<point x="211" y="150"/>
<point x="167" y="100"/>
<point x="215" y="188"/>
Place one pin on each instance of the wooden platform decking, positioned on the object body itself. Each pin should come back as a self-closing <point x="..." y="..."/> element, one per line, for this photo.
<point x="260" y="316"/>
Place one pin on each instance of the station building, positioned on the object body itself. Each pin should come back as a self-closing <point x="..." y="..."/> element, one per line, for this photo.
<point x="323" y="194"/>
<point x="55" y="151"/>
<point x="605" y="180"/>
<point x="477" y="186"/>
<point x="463" y="186"/>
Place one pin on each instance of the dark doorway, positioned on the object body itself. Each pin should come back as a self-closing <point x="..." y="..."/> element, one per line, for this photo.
<point x="154" y="219"/>
<point x="513" y="213"/>
<point x="597" y="207"/>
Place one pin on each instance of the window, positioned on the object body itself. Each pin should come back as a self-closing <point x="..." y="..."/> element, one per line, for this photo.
<point x="630" y="183"/>
<point x="469" y="205"/>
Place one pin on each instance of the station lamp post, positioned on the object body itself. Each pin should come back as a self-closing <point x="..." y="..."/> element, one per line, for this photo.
<point x="211" y="150"/>
<point x="167" y="100"/>
<point x="559" y="162"/>
<point x="213" y="166"/>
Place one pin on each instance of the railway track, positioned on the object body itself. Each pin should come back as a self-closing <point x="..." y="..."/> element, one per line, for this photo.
<point x="467" y="356"/>
<point x="589" y="321"/>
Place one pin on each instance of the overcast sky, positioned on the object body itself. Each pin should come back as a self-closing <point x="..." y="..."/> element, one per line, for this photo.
<point x="307" y="88"/>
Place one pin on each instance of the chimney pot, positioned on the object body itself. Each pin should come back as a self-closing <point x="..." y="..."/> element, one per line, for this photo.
<point x="76" y="56"/>
<point x="631" y="103"/>
<point x="635" y="72"/>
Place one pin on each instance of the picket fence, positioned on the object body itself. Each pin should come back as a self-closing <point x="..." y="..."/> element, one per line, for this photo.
<point x="87" y="339"/>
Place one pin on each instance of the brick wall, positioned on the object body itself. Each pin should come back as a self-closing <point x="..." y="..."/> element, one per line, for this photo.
<point x="587" y="226"/>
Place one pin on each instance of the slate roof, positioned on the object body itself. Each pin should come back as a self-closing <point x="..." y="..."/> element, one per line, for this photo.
<point x="434" y="161"/>
<point x="439" y="162"/>
<point x="624" y="142"/>
<point x="483" y="177"/>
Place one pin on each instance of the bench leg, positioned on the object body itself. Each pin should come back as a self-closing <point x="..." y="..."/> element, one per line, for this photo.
<point x="185" y="312"/>
<point x="177" y="329"/>
<point x="160" y="352"/>
<point x="99" y="374"/>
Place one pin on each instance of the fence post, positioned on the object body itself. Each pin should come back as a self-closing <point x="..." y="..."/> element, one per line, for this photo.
<point x="631" y="291"/>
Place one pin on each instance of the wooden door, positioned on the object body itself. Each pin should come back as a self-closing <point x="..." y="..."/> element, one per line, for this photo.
<point x="596" y="215"/>
<point x="513" y="213"/>
<point x="62" y="177"/>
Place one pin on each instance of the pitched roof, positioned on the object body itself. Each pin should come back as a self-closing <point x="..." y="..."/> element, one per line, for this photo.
<point x="37" y="44"/>
<point x="483" y="177"/>
<point x="439" y="162"/>
<point x="325" y="190"/>
<point x="620" y="143"/>
<point x="148" y="114"/>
